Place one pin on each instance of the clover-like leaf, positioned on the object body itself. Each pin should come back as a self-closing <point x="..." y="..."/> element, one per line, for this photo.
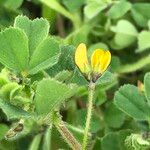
<point x="45" y="55"/>
<point x="126" y="34"/>
<point x="14" y="49"/>
<point x="36" y="30"/>
<point x="50" y="94"/>
<point x="93" y="8"/>
<point x="119" y="9"/>
<point x="132" y="102"/>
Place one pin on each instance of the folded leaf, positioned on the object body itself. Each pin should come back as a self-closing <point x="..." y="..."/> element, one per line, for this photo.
<point x="132" y="102"/>
<point x="45" y="55"/>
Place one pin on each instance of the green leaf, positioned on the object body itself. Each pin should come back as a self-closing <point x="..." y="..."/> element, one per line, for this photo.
<point x="78" y="78"/>
<point x="55" y="5"/>
<point x="147" y="86"/>
<point x="4" y="77"/>
<point x="115" y="64"/>
<point x="36" y="142"/>
<point x="107" y="77"/>
<point x="81" y="35"/>
<point x="96" y="123"/>
<point x="110" y="141"/>
<point x="141" y="13"/>
<point x="3" y="129"/>
<point x="100" y="97"/>
<point x="63" y="75"/>
<point x="50" y="94"/>
<point x="126" y="34"/>
<point x="73" y="5"/>
<point x="65" y="62"/>
<point x="6" y="90"/>
<point x="14" y="49"/>
<point x="13" y="112"/>
<point x="119" y="9"/>
<point x="97" y="144"/>
<point x="143" y="41"/>
<point x="36" y="30"/>
<point x="2" y="82"/>
<point x="93" y="8"/>
<point x="8" y="145"/>
<point x="115" y="141"/>
<point x="114" y="45"/>
<point x="45" y="55"/>
<point x="11" y="4"/>
<point x="114" y="117"/>
<point x="132" y="102"/>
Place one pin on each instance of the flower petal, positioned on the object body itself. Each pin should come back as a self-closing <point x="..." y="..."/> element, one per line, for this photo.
<point x="81" y="59"/>
<point x="96" y="57"/>
<point x="105" y="61"/>
<point x="100" y="60"/>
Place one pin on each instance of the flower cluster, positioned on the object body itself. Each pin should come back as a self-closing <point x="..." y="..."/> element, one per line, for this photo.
<point x="94" y="68"/>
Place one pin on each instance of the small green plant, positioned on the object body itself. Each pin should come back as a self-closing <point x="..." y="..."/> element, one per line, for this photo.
<point x="28" y="92"/>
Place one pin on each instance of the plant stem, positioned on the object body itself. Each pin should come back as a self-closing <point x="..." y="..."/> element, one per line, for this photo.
<point x="53" y="4"/>
<point x="89" y="114"/>
<point x="135" y="66"/>
<point x="68" y="137"/>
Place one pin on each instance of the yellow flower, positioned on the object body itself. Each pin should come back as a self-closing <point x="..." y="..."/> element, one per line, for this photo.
<point x="100" y="60"/>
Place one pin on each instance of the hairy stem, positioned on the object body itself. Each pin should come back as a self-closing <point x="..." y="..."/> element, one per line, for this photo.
<point x="67" y="135"/>
<point x="89" y="115"/>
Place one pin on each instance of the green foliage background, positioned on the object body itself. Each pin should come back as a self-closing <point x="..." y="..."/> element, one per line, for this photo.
<point x="38" y="76"/>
